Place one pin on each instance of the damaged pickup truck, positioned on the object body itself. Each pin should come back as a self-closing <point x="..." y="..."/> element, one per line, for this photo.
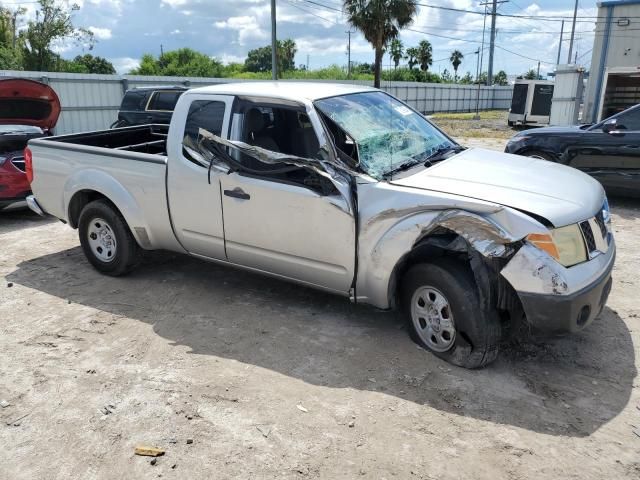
<point x="346" y="189"/>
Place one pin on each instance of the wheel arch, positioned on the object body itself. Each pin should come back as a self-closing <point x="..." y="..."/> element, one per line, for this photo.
<point x="90" y="185"/>
<point x="425" y="235"/>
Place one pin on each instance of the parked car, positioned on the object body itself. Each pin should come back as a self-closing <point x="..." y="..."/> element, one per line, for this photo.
<point x="142" y="106"/>
<point x="346" y="189"/>
<point x="28" y="109"/>
<point x="608" y="151"/>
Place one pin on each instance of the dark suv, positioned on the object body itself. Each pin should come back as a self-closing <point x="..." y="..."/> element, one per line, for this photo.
<point x="141" y="106"/>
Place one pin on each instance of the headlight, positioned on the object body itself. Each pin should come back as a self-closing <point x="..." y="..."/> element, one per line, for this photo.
<point x="565" y="244"/>
<point x="2" y="160"/>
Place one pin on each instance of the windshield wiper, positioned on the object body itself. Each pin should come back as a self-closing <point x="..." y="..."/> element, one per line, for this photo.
<point x="439" y="153"/>
<point x="401" y="168"/>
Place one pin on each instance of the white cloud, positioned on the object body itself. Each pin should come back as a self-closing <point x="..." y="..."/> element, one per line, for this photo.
<point x="124" y="64"/>
<point x="101" y="33"/>
<point x="247" y="28"/>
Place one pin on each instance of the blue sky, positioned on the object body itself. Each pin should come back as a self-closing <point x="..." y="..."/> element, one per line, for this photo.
<point x="227" y="29"/>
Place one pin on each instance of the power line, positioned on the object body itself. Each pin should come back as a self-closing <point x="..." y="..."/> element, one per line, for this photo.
<point x="545" y="18"/>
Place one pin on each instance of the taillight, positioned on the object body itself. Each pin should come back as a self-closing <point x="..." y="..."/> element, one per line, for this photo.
<point x="28" y="164"/>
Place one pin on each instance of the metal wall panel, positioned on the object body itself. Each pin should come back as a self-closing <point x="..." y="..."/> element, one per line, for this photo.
<point x="91" y="102"/>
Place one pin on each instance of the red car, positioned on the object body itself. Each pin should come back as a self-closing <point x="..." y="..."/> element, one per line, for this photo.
<point x="28" y="109"/>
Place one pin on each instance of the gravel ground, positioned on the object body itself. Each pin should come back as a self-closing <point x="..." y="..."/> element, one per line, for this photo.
<point x="238" y="376"/>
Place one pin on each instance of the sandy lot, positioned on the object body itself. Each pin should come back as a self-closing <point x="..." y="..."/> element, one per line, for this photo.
<point x="238" y="376"/>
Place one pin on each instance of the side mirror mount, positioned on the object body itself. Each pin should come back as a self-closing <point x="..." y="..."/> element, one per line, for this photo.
<point x="612" y="127"/>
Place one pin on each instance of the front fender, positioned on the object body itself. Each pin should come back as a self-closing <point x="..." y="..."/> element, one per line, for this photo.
<point x="376" y="270"/>
<point x="99" y="181"/>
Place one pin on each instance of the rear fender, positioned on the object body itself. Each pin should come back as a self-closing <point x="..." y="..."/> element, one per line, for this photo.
<point x="103" y="183"/>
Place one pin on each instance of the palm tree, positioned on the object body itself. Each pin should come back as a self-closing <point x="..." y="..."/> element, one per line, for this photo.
<point x="412" y="56"/>
<point x="396" y="51"/>
<point x="380" y="21"/>
<point x="425" y="54"/>
<point x="456" y="60"/>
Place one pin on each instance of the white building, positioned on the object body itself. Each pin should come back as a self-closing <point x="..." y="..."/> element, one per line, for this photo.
<point x="616" y="48"/>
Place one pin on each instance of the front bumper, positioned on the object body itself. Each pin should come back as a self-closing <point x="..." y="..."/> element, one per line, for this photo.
<point x="557" y="299"/>
<point x="567" y="313"/>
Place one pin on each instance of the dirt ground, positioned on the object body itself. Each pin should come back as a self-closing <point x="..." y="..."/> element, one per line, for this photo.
<point x="238" y="376"/>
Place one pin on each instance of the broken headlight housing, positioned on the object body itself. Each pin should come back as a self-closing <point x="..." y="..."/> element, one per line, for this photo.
<point x="564" y="244"/>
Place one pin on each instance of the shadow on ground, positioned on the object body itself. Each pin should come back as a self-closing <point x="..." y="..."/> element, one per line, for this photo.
<point x="21" y="219"/>
<point x="564" y="386"/>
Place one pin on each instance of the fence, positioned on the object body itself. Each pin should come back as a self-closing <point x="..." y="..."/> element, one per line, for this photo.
<point x="91" y="102"/>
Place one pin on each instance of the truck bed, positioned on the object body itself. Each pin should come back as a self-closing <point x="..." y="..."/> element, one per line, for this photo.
<point x="127" y="165"/>
<point x="149" y="139"/>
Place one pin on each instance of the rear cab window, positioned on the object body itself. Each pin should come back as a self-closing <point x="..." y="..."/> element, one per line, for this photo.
<point x="203" y="114"/>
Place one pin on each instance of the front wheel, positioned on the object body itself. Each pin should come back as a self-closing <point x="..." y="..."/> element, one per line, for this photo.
<point x="106" y="239"/>
<point x="443" y="312"/>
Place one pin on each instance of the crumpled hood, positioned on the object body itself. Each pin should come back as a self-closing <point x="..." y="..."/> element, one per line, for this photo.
<point x="561" y="194"/>
<point x="27" y="102"/>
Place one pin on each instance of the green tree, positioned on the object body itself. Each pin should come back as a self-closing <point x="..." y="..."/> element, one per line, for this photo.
<point x="396" y="50"/>
<point x="467" y="79"/>
<point x="446" y="77"/>
<point x="259" y="59"/>
<point x="531" y="75"/>
<point x="456" y="60"/>
<point x="286" y="54"/>
<point x="183" y="62"/>
<point x="500" y="78"/>
<point x="412" y="57"/>
<point x="425" y="55"/>
<point x="483" y="78"/>
<point x="53" y="22"/>
<point x="10" y="49"/>
<point x="380" y="21"/>
<point x="87" y="63"/>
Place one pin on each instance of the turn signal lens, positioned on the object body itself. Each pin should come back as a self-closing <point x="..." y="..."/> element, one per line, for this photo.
<point x="544" y="242"/>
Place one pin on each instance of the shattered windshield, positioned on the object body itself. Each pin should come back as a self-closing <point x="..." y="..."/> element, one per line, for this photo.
<point x="388" y="134"/>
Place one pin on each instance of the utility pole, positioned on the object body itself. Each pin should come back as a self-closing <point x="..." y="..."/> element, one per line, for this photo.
<point x="538" y="74"/>
<point x="560" y="44"/>
<point x="573" y="31"/>
<point x="274" y="43"/>
<point x="348" y="32"/>
<point x="307" y="61"/>
<point x="492" y="37"/>
<point x="492" y="42"/>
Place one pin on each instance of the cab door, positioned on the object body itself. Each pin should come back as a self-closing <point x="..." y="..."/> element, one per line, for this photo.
<point x="286" y="220"/>
<point x="193" y="189"/>
<point x="610" y="152"/>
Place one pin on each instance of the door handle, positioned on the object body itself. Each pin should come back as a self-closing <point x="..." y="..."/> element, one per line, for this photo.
<point x="237" y="193"/>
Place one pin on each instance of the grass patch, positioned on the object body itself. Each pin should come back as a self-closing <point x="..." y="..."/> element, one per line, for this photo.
<point x="486" y="115"/>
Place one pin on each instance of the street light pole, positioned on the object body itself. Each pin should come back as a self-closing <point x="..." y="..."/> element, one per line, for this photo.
<point x="573" y="31"/>
<point x="274" y="43"/>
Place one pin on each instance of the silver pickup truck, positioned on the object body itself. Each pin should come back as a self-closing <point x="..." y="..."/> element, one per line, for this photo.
<point x="349" y="190"/>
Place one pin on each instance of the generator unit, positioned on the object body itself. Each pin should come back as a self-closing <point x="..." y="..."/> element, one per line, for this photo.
<point x="531" y="102"/>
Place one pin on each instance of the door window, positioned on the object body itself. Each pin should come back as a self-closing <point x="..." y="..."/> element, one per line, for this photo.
<point x="630" y="119"/>
<point x="164" y="101"/>
<point x="283" y="130"/>
<point x="133" y="100"/>
<point x="205" y="114"/>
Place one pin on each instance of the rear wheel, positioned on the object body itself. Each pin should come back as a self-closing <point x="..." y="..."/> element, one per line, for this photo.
<point x="106" y="239"/>
<point x="444" y="315"/>
<point x="540" y="155"/>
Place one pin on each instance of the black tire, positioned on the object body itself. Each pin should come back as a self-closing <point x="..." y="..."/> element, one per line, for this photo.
<point x="477" y="335"/>
<point x="125" y="252"/>
<point x="540" y="155"/>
